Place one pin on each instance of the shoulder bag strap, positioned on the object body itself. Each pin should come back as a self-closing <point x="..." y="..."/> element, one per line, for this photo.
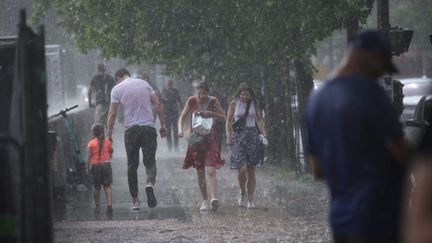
<point x="247" y="108"/>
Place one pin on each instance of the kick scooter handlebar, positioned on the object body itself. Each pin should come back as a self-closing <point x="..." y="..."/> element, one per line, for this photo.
<point x="63" y="111"/>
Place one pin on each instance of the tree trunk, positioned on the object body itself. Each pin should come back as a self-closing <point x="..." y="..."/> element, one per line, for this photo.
<point x="289" y="125"/>
<point x="352" y="28"/>
<point x="278" y="122"/>
<point x="305" y="86"/>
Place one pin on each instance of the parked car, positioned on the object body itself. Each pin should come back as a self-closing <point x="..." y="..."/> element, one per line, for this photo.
<point x="422" y="118"/>
<point x="414" y="89"/>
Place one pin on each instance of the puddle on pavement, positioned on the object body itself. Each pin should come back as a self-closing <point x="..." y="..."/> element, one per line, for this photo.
<point x="79" y="206"/>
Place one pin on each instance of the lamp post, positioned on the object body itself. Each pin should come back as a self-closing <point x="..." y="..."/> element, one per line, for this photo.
<point x="384" y="26"/>
<point x="383" y="15"/>
<point x="400" y="40"/>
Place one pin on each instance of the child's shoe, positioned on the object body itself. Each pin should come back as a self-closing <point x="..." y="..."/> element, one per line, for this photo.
<point x="214" y="204"/>
<point x="205" y="206"/>
<point x="251" y="205"/>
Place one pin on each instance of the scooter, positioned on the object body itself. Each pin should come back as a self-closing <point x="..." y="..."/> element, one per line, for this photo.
<point x="76" y="177"/>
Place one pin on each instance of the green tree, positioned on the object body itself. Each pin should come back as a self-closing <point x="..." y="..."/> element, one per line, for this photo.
<point x="266" y="43"/>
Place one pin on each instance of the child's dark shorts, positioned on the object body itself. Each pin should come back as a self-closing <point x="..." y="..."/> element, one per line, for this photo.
<point x="101" y="175"/>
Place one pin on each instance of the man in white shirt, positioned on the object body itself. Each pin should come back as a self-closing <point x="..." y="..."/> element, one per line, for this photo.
<point x="137" y="97"/>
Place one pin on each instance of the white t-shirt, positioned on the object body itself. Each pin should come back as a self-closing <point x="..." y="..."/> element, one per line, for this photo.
<point x="134" y="95"/>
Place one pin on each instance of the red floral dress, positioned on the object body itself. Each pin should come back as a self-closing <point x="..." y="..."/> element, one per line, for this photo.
<point x="207" y="153"/>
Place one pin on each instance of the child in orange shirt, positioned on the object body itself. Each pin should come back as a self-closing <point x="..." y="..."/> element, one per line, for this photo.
<point x="99" y="156"/>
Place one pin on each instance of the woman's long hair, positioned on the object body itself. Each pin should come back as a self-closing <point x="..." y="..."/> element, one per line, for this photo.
<point x="98" y="131"/>
<point x="253" y="98"/>
<point x="245" y="87"/>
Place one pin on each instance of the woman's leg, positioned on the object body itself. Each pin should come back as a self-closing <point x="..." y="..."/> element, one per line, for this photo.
<point x="241" y="176"/>
<point x="108" y="193"/>
<point x="202" y="182"/>
<point x="251" y="182"/>
<point x="211" y="173"/>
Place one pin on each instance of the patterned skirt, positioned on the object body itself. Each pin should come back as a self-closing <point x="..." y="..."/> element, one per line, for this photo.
<point x="247" y="149"/>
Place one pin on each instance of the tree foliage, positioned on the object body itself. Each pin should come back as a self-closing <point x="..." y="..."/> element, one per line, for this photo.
<point x="224" y="40"/>
<point x="267" y="43"/>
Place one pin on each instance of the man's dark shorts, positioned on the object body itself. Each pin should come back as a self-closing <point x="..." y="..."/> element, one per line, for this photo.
<point x="102" y="175"/>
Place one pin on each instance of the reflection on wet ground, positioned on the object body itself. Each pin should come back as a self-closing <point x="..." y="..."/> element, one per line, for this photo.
<point x="123" y="213"/>
<point x="80" y="207"/>
<point x="286" y="209"/>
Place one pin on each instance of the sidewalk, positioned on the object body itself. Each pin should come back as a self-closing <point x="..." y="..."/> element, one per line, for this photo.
<point x="287" y="210"/>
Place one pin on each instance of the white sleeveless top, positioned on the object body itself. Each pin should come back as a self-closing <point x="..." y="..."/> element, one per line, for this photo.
<point x="240" y="111"/>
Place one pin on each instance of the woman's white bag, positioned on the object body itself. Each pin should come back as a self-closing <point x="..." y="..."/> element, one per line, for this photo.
<point x="201" y="125"/>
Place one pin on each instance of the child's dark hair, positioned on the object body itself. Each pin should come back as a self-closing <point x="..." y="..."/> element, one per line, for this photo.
<point x="98" y="130"/>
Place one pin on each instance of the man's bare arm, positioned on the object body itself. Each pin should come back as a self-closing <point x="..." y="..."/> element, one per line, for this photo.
<point x="401" y="150"/>
<point x="179" y="98"/>
<point x="89" y="94"/>
<point x="112" y="115"/>
<point x="159" y="109"/>
<point x="316" y="168"/>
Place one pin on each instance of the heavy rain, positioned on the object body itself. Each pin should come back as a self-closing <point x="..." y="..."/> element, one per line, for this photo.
<point x="215" y="121"/>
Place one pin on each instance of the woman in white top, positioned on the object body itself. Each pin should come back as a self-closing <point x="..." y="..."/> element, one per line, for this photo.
<point x="247" y="150"/>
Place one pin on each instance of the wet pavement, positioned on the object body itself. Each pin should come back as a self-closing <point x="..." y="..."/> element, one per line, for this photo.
<point x="289" y="208"/>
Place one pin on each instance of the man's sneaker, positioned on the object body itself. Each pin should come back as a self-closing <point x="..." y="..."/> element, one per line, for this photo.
<point x="135" y="205"/>
<point x="251" y="205"/>
<point x="214" y="204"/>
<point x="205" y="206"/>
<point x="242" y="201"/>
<point x="151" y="199"/>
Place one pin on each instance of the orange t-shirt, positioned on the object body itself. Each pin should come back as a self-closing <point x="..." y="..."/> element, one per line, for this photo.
<point x="93" y="150"/>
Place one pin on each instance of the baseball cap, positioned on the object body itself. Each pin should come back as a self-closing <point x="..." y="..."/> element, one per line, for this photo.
<point x="375" y="41"/>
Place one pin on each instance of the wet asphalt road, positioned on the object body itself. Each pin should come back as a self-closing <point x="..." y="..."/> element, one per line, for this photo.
<point x="288" y="209"/>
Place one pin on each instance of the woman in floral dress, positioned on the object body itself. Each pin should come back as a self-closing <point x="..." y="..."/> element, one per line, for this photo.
<point x="204" y="156"/>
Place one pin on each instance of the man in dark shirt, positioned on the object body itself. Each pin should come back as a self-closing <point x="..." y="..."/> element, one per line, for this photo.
<point x="172" y="102"/>
<point x="100" y="88"/>
<point x="356" y="144"/>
